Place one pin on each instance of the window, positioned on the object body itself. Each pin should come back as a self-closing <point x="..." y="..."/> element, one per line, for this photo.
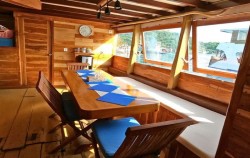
<point x="220" y="46"/>
<point x="161" y="45"/>
<point x="124" y="44"/>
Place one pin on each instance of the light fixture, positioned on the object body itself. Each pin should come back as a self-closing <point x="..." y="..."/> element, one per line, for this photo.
<point x="118" y="5"/>
<point x="99" y="14"/>
<point x="107" y="10"/>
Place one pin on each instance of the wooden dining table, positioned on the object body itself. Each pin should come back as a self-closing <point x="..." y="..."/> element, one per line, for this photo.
<point x="91" y="108"/>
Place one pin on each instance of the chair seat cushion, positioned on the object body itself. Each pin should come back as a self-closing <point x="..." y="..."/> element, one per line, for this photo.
<point x="110" y="134"/>
<point x="69" y="107"/>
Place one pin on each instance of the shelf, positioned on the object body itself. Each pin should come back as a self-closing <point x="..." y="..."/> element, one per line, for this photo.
<point x="83" y="54"/>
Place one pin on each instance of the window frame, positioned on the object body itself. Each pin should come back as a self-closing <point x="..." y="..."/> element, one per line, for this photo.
<point x="156" y="28"/>
<point x="122" y="32"/>
<point x="207" y="22"/>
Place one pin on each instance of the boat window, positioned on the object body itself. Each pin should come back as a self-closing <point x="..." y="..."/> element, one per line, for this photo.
<point x="123" y="45"/>
<point x="219" y="47"/>
<point x="160" y="45"/>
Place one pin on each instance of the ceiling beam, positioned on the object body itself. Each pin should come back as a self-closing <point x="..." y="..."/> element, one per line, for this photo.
<point x="94" y="8"/>
<point x="87" y="12"/>
<point x="33" y="4"/>
<point x="102" y="2"/>
<point x="168" y="7"/>
<point x="192" y="3"/>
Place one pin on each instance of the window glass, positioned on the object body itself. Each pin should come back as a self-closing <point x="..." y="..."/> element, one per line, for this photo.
<point x="220" y="46"/>
<point x="124" y="44"/>
<point x="161" y="45"/>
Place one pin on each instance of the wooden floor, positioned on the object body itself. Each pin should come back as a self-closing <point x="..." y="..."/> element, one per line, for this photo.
<point x="24" y="126"/>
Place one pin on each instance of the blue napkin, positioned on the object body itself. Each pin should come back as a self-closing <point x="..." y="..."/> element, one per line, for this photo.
<point x="115" y="98"/>
<point x="85" y="71"/>
<point x="104" y="87"/>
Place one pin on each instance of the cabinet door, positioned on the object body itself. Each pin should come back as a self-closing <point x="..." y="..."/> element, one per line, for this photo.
<point x="35" y="46"/>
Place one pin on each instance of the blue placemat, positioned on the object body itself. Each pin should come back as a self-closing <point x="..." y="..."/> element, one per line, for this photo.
<point x="104" y="87"/>
<point x="99" y="82"/>
<point x="85" y="71"/>
<point x="86" y="75"/>
<point x="115" y="98"/>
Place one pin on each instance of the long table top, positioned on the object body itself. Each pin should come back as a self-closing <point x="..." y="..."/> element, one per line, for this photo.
<point x="90" y="108"/>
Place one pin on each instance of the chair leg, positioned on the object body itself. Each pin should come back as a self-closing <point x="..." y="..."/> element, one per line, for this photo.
<point x="52" y="115"/>
<point x="78" y="132"/>
<point x="64" y="143"/>
<point x="95" y="146"/>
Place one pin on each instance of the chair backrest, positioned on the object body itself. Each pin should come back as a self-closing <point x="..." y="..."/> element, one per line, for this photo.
<point x="50" y="94"/>
<point x="151" y="138"/>
<point x="77" y="66"/>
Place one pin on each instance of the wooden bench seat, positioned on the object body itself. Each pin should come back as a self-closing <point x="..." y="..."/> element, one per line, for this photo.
<point x="201" y="139"/>
<point x="194" y="98"/>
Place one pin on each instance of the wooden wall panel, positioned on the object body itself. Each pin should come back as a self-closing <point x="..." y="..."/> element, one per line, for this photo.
<point x="210" y="88"/>
<point x="66" y="35"/>
<point x="159" y="75"/>
<point x="9" y="67"/>
<point x="120" y="63"/>
<point x="36" y="49"/>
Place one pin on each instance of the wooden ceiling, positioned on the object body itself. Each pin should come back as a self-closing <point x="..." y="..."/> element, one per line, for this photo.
<point x="132" y="10"/>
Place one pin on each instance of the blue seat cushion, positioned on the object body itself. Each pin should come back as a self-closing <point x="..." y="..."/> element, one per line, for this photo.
<point x="69" y="107"/>
<point x="110" y="134"/>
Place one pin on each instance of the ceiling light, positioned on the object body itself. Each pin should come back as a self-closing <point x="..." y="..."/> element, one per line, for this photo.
<point x="107" y="10"/>
<point x="118" y="5"/>
<point x="99" y="14"/>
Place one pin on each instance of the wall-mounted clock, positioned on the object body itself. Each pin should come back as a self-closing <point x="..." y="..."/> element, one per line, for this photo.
<point x="85" y="30"/>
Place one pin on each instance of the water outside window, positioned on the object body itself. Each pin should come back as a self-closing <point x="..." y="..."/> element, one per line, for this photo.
<point x="161" y="45"/>
<point x="220" y="47"/>
<point x="124" y="44"/>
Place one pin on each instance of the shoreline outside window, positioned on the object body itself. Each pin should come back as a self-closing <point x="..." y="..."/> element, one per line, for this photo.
<point x="160" y="45"/>
<point x="219" y="48"/>
<point x="124" y="44"/>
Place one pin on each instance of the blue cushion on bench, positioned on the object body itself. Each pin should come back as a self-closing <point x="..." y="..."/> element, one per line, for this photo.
<point x="110" y="134"/>
<point x="69" y="107"/>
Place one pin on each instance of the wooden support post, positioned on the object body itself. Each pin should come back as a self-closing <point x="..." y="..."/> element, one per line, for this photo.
<point x="180" y="53"/>
<point x="134" y="48"/>
<point x="21" y="49"/>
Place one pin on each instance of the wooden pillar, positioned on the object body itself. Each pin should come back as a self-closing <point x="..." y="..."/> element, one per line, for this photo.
<point x="134" y="48"/>
<point x="234" y="141"/>
<point x="180" y="53"/>
<point x="21" y="49"/>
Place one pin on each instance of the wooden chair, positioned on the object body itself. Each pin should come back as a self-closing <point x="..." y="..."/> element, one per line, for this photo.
<point x="126" y="138"/>
<point x="63" y="106"/>
<point x="77" y="66"/>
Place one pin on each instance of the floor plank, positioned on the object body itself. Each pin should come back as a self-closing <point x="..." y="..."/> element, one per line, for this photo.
<point x="27" y="125"/>
<point x="11" y="154"/>
<point x="8" y="109"/>
<point x="18" y="132"/>
<point x="46" y="147"/>
<point x="38" y="123"/>
<point x="31" y="92"/>
<point x="31" y="151"/>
